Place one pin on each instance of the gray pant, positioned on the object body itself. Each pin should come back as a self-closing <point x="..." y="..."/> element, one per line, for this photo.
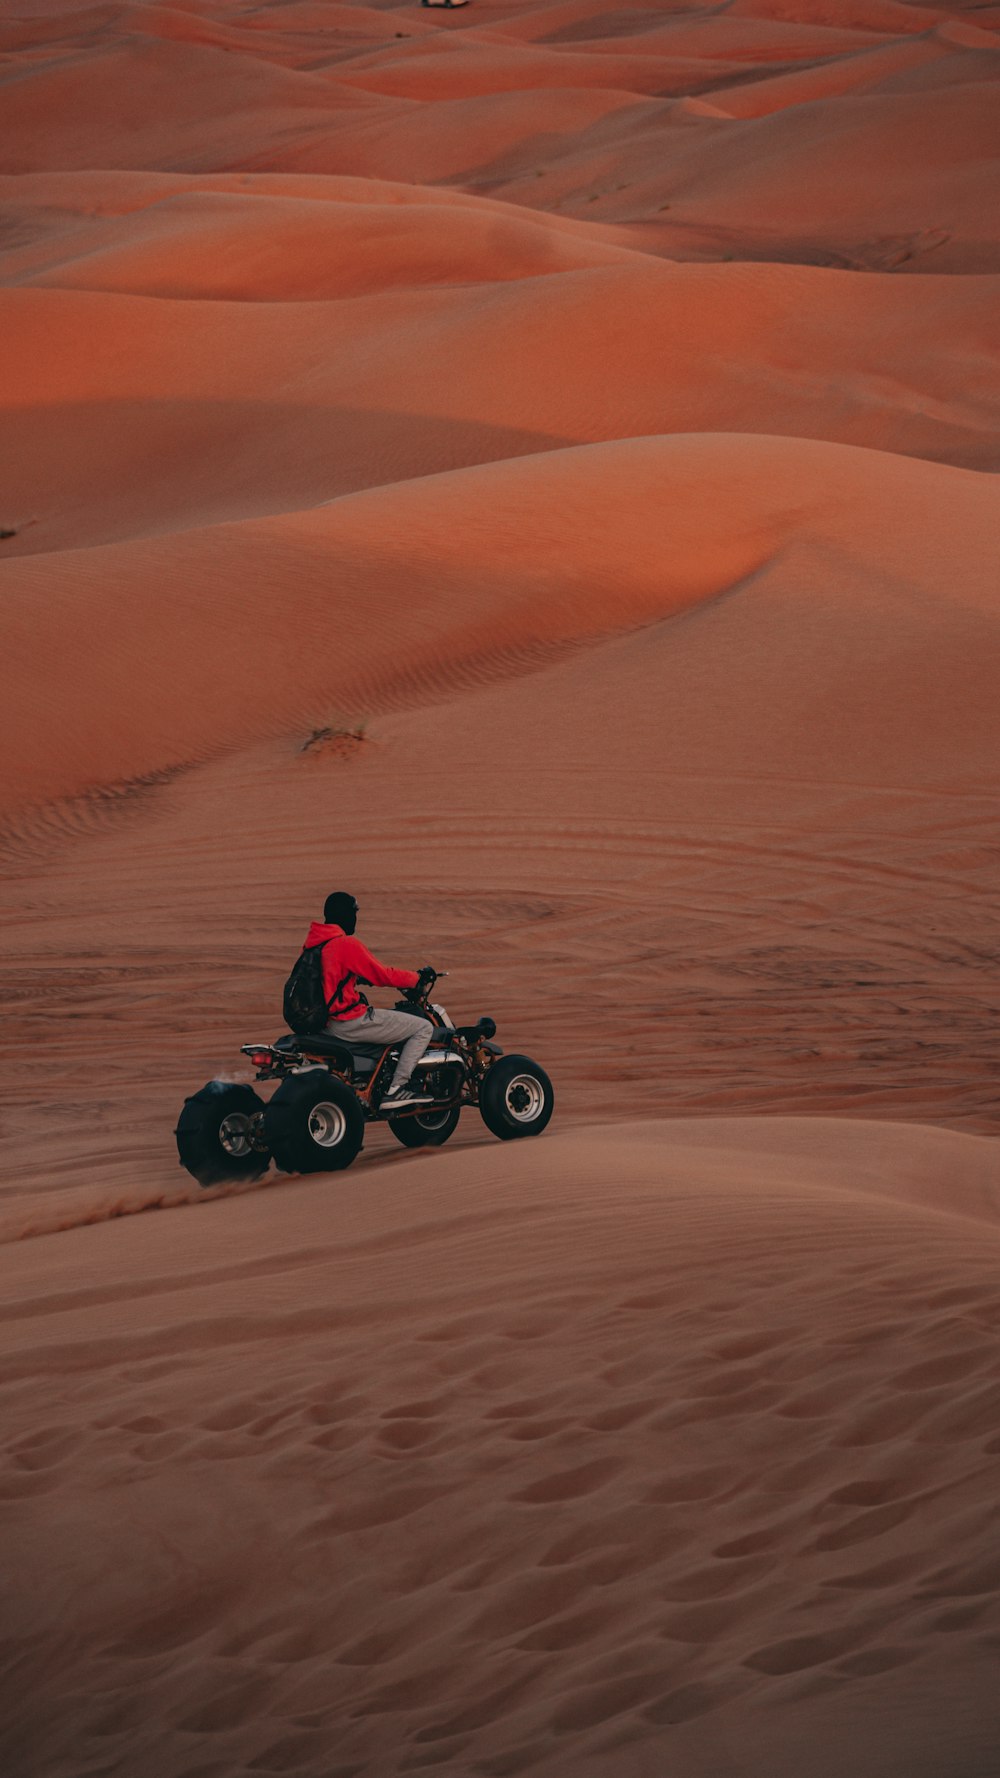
<point x="378" y="1025"/>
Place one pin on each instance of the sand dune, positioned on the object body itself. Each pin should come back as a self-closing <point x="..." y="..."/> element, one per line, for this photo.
<point x="492" y="461"/>
<point x="791" y="184"/>
<point x="226" y="245"/>
<point x="811" y="930"/>
<point x="408" y="1479"/>
<point x="921" y="63"/>
<point x="315" y="426"/>
<point x="410" y="587"/>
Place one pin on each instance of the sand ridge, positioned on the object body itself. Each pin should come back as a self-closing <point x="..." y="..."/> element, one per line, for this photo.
<point x="488" y="1478"/>
<point x="472" y="566"/>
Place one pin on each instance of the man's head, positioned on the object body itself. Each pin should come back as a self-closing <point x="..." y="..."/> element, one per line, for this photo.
<point x="341" y="910"/>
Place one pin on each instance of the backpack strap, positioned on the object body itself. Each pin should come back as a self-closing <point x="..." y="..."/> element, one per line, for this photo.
<point x="322" y="947"/>
<point x="341" y="985"/>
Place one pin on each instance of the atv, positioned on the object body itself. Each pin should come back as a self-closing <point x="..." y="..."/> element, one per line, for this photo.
<point x="329" y="1090"/>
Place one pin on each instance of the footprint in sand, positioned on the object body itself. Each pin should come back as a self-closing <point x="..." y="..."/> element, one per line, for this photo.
<point x="615" y="1419"/>
<point x="594" y="1704"/>
<point x="45" y="1448"/>
<point x="530" y="1431"/>
<point x="527" y="1602"/>
<point x="864" y="1526"/>
<point x="752" y="1542"/>
<point x="569" y="1484"/>
<point x="692" y="1484"/>
<point x="702" y="1623"/>
<point x="685" y="1702"/>
<point x="937" y="1373"/>
<point x="572" y="1630"/>
<point x="427" y="1408"/>
<point x="870" y="1661"/>
<point x="291" y="1753"/>
<point x="797" y="1652"/>
<point x="338" y="1407"/>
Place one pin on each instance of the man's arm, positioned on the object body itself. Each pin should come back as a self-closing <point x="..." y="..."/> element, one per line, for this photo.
<point x="381" y="975"/>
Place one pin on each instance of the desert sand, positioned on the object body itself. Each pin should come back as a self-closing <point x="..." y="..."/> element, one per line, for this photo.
<point x="534" y="466"/>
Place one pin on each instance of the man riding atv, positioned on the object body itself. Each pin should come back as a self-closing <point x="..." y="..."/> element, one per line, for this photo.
<point x="343" y="1067"/>
<point x="346" y="961"/>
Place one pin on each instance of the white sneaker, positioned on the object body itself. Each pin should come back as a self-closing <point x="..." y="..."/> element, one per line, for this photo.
<point x="404" y="1096"/>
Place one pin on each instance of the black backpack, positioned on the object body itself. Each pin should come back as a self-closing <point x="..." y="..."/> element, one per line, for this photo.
<point x="306" y="1007"/>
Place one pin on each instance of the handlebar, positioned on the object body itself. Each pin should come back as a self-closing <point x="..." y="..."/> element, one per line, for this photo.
<point x="420" y="992"/>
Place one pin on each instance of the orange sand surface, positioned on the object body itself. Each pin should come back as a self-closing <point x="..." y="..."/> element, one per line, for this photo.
<point x="585" y="417"/>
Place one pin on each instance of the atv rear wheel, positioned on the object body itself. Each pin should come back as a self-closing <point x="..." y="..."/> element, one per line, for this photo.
<point x="313" y="1124"/>
<point x="516" y="1098"/>
<point x="217" y="1132"/>
<point x="425" y="1129"/>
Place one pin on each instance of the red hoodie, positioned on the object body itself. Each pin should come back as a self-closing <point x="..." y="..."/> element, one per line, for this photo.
<point x="344" y="960"/>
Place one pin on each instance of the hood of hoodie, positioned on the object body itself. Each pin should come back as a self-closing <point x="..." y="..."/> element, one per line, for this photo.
<point x="318" y="933"/>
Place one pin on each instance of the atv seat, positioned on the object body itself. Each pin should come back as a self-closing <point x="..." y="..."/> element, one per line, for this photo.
<point x="320" y="1045"/>
<point x="323" y="1044"/>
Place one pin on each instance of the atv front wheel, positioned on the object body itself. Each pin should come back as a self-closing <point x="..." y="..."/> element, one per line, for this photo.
<point x="425" y="1129"/>
<point x="313" y="1124"/>
<point x="217" y="1134"/>
<point x="516" y="1098"/>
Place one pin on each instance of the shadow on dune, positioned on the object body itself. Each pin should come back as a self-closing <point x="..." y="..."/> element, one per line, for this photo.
<point x="95" y="472"/>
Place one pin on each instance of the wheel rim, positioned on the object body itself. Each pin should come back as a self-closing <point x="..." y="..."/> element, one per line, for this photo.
<point x="524" y="1099"/>
<point x="327" y="1125"/>
<point x="432" y="1120"/>
<point x="236" y="1135"/>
